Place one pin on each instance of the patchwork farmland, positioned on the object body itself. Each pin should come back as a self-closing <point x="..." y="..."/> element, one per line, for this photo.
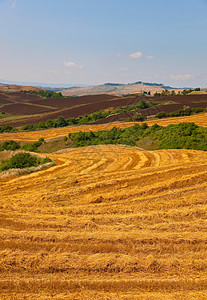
<point x="22" y="109"/>
<point x="106" y="222"/>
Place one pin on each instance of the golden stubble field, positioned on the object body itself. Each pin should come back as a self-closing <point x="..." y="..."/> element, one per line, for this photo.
<point x="200" y="119"/>
<point x="107" y="222"/>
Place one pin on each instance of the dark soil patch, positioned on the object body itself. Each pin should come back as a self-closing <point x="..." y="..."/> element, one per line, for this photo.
<point x="68" y="102"/>
<point x="23" y="109"/>
<point x="79" y="106"/>
<point x="181" y="101"/>
<point x="4" y="99"/>
<point x="21" y="97"/>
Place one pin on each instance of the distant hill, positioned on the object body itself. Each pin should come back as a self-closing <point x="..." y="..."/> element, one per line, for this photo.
<point x="17" y="88"/>
<point x="116" y="89"/>
<point x="107" y="88"/>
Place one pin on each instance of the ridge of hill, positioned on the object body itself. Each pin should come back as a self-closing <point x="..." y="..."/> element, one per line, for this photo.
<point x="107" y="222"/>
<point x="117" y="89"/>
<point x="17" y="88"/>
<point x="19" y="109"/>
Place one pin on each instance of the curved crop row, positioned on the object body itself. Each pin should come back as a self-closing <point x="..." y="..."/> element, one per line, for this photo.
<point x="106" y="222"/>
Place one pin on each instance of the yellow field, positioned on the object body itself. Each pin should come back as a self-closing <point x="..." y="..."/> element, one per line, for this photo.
<point x="107" y="222"/>
<point x="200" y="119"/>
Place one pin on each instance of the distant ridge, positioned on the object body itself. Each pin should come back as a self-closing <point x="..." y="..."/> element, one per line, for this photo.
<point x="155" y="84"/>
<point x="116" y="89"/>
<point x="17" y="88"/>
<point x="144" y="83"/>
<point x="42" y="85"/>
<point x="80" y="90"/>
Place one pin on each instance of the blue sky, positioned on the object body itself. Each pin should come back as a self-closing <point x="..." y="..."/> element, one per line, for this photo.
<point x="93" y="42"/>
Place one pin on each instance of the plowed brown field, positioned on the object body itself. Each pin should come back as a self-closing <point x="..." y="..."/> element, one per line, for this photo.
<point x="25" y="109"/>
<point x="107" y="222"/>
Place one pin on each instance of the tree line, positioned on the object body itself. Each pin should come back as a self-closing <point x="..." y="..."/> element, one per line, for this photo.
<point x="180" y="136"/>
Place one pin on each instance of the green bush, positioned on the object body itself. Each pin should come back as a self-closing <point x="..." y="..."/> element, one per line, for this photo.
<point x="32" y="147"/>
<point x="161" y="115"/>
<point x="181" y="136"/>
<point x="7" y="128"/>
<point x="143" y="104"/>
<point x="20" y="160"/>
<point x="23" y="160"/>
<point x="9" y="145"/>
<point x="46" y="160"/>
<point x="186" y="111"/>
<point x="44" y="94"/>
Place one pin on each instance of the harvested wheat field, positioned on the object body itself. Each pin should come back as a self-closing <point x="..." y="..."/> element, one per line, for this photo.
<point x="107" y="222"/>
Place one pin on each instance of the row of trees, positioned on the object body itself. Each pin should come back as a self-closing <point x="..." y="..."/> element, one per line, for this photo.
<point x="137" y="95"/>
<point x="44" y="94"/>
<point x="186" y="111"/>
<point x="181" y="136"/>
<point x="7" y="128"/>
<point x="166" y="92"/>
<point x="13" y="145"/>
<point x="127" y="136"/>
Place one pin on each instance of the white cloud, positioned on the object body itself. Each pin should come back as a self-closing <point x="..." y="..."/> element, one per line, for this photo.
<point x="14" y="4"/>
<point x="150" y="57"/>
<point x="124" y="69"/>
<point x="118" y="54"/>
<point x="53" y="72"/>
<point x="136" y="55"/>
<point x="181" y="76"/>
<point x="70" y="64"/>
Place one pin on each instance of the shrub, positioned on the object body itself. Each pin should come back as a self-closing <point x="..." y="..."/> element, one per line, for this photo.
<point x="61" y="122"/>
<point x="144" y="126"/>
<point x="181" y="136"/>
<point x="161" y="115"/>
<point x="34" y="146"/>
<point x="23" y="160"/>
<point x="27" y="127"/>
<point x="20" y="160"/>
<point x="9" y="145"/>
<point x="46" y="160"/>
<point x="7" y="128"/>
<point x="44" y="93"/>
<point x="143" y="104"/>
<point x="137" y="117"/>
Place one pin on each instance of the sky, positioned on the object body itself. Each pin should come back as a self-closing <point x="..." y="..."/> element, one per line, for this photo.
<point x="94" y="42"/>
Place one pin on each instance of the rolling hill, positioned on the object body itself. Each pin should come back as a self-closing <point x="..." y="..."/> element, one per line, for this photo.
<point x="116" y="89"/>
<point x="17" y="108"/>
<point x="107" y="221"/>
<point x="17" y="88"/>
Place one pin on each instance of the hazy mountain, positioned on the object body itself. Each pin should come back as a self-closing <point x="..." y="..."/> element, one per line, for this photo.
<point x="43" y="85"/>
